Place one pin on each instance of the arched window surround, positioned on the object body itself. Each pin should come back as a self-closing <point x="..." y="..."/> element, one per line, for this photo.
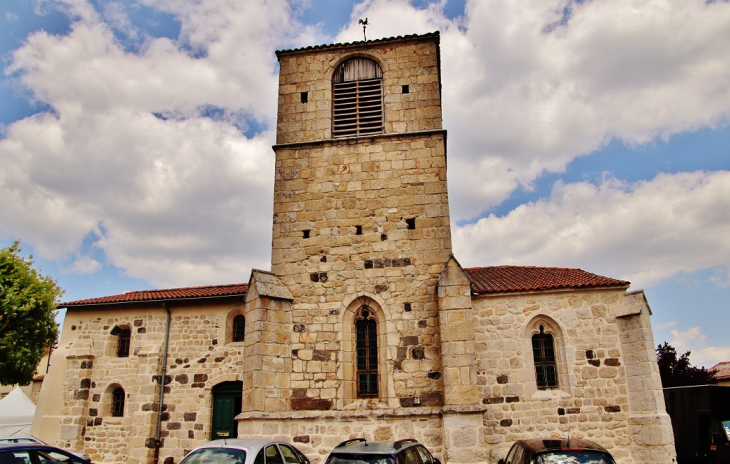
<point x="236" y="314"/>
<point x="547" y="326"/>
<point x="114" y="403"/>
<point x="347" y="394"/>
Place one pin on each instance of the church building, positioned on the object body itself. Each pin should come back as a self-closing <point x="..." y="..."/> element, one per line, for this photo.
<point x="366" y="325"/>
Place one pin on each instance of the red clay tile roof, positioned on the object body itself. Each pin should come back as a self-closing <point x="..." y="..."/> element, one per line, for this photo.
<point x="507" y="279"/>
<point x="485" y="280"/>
<point x="209" y="291"/>
<point x="722" y="370"/>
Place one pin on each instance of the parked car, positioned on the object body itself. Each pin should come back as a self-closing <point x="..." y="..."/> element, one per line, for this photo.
<point x="557" y="451"/>
<point x="35" y="453"/>
<point x="4" y="440"/>
<point x="360" y="451"/>
<point x="245" y="451"/>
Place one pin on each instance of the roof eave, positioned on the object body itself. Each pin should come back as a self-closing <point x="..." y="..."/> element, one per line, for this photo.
<point x="359" y="44"/>
<point x="552" y="290"/>
<point x="69" y="306"/>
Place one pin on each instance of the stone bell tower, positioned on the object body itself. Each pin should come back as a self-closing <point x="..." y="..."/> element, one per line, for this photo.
<point x="361" y="220"/>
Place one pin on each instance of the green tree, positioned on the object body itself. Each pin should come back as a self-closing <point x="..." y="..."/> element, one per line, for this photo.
<point x="676" y="371"/>
<point x="27" y="311"/>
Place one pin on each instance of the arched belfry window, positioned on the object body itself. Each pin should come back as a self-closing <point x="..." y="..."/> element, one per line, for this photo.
<point x="543" y="354"/>
<point x="357" y="100"/>
<point x="366" y="345"/>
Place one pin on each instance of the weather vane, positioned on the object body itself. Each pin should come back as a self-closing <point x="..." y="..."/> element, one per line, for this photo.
<point x="364" y="25"/>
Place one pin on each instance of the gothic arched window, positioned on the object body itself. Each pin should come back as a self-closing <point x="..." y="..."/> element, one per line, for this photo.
<point x="357" y="98"/>
<point x="543" y="353"/>
<point x="366" y="336"/>
<point x="239" y="328"/>
<point x="118" y="402"/>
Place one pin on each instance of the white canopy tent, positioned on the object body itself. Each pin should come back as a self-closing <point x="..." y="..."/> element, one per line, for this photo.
<point x="16" y="414"/>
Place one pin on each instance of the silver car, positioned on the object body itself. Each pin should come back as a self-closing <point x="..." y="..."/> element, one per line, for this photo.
<point x="245" y="451"/>
<point x="27" y="440"/>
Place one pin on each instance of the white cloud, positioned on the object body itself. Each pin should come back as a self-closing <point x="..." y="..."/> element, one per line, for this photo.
<point x="666" y="325"/>
<point x="644" y="232"/>
<point x="519" y="101"/>
<point x="527" y="89"/>
<point x="85" y="265"/>
<point x="177" y="198"/>
<point x="702" y="354"/>
<point x="187" y="199"/>
<point x="385" y="19"/>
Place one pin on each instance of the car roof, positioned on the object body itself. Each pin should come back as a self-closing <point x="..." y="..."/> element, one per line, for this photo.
<point x="30" y="446"/>
<point x="361" y="446"/>
<point x="252" y="445"/>
<point x="538" y="445"/>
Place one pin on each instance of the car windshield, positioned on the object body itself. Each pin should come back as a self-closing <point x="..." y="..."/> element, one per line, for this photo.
<point x="573" y="457"/>
<point x="215" y="456"/>
<point x="52" y="457"/>
<point x="360" y="459"/>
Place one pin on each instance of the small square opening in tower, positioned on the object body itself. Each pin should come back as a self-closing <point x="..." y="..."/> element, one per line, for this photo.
<point x="411" y="222"/>
<point x="358" y="230"/>
<point x="305" y="233"/>
<point x="405" y="89"/>
<point x="305" y="97"/>
<point x="407" y="307"/>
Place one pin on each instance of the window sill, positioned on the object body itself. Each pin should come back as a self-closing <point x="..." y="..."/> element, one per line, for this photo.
<point x="546" y="395"/>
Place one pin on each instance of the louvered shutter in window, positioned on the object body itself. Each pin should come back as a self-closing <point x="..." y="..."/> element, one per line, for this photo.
<point x="357" y="99"/>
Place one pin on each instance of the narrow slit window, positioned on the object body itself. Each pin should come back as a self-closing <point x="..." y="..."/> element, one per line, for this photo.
<point x="118" y="402"/>
<point x="239" y="328"/>
<point x="124" y="339"/>
<point x="357" y="100"/>
<point x="405" y="89"/>
<point x="305" y="97"/>
<point x="411" y="223"/>
<point x="366" y="333"/>
<point x="543" y="353"/>
<point x="358" y="230"/>
<point x="305" y="233"/>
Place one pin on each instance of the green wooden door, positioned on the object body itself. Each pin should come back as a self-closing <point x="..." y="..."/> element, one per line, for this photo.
<point x="226" y="406"/>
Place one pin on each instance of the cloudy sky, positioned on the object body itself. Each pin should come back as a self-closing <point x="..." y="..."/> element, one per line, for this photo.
<point x="135" y="139"/>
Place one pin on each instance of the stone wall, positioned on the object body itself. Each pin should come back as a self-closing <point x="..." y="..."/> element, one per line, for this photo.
<point x="355" y="200"/>
<point x="199" y="358"/>
<point x="408" y="61"/>
<point x="597" y="380"/>
<point x="362" y="222"/>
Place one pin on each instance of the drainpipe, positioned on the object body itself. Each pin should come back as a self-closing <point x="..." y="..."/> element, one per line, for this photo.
<point x="163" y="377"/>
